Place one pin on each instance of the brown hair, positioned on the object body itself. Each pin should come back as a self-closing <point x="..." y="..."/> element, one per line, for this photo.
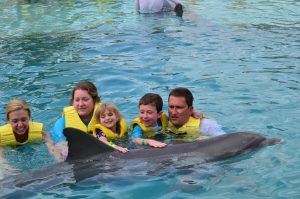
<point x="152" y="99"/>
<point x="111" y="108"/>
<point x="16" y="105"/>
<point x="89" y="87"/>
<point x="183" y="92"/>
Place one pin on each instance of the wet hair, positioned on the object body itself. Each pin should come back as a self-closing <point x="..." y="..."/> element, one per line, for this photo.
<point x="183" y="92"/>
<point x="111" y="108"/>
<point x="89" y="87"/>
<point x="178" y="10"/>
<point x="152" y="99"/>
<point x="16" y="105"/>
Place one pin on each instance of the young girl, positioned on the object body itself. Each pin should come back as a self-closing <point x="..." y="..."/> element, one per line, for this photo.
<point x="110" y="125"/>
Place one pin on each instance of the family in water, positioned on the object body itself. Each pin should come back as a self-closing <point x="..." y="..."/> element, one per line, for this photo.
<point x="104" y="120"/>
<point x="151" y="127"/>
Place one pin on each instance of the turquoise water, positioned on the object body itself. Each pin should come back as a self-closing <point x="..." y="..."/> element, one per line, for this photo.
<point x="240" y="58"/>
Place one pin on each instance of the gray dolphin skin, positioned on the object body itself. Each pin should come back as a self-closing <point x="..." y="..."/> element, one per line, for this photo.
<point x="82" y="145"/>
<point x="89" y="158"/>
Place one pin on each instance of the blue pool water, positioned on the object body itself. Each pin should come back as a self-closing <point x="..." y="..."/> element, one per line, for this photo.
<point x="240" y="58"/>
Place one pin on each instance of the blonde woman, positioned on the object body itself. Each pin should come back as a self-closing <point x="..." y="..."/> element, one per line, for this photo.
<point x="20" y="130"/>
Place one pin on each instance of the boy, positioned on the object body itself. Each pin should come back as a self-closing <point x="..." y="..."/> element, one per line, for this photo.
<point x="150" y="122"/>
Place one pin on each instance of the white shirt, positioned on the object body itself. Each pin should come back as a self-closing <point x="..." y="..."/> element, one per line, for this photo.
<point x="153" y="6"/>
<point x="210" y="127"/>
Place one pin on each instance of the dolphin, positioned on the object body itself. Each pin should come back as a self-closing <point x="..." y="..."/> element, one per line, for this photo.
<point x="88" y="158"/>
<point x="83" y="145"/>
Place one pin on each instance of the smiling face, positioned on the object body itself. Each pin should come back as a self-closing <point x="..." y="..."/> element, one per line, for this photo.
<point x="83" y="103"/>
<point x="149" y="115"/>
<point x="109" y="119"/>
<point x="179" y="111"/>
<point x="19" y="121"/>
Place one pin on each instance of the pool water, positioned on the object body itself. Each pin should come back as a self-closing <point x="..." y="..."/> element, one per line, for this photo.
<point x="240" y="59"/>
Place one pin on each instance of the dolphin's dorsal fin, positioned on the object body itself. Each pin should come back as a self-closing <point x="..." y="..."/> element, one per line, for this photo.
<point x="82" y="145"/>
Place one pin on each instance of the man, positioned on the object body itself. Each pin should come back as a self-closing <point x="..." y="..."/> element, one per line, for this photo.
<point x="180" y="108"/>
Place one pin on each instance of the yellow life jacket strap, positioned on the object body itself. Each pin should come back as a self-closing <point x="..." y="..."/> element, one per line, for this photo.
<point x="109" y="134"/>
<point x="73" y="120"/>
<point x="191" y="127"/>
<point x="8" y="137"/>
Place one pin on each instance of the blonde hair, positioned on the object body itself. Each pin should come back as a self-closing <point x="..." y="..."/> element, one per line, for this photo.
<point x="16" y="105"/>
<point x="110" y="107"/>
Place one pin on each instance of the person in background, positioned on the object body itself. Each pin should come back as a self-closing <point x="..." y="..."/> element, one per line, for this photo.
<point x="151" y="121"/>
<point x="19" y="130"/>
<point x="156" y="6"/>
<point x="110" y="126"/>
<point x="181" y="122"/>
<point x="80" y="115"/>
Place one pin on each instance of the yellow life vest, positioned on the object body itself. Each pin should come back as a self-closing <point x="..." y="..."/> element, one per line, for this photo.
<point x="109" y="134"/>
<point x="73" y="120"/>
<point x="148" y="132"/>
<point x="8" y="137"/>
<point x="191" y="127"/>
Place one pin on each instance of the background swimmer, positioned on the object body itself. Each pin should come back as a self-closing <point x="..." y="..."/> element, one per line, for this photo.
<point x="155" y="6"/>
